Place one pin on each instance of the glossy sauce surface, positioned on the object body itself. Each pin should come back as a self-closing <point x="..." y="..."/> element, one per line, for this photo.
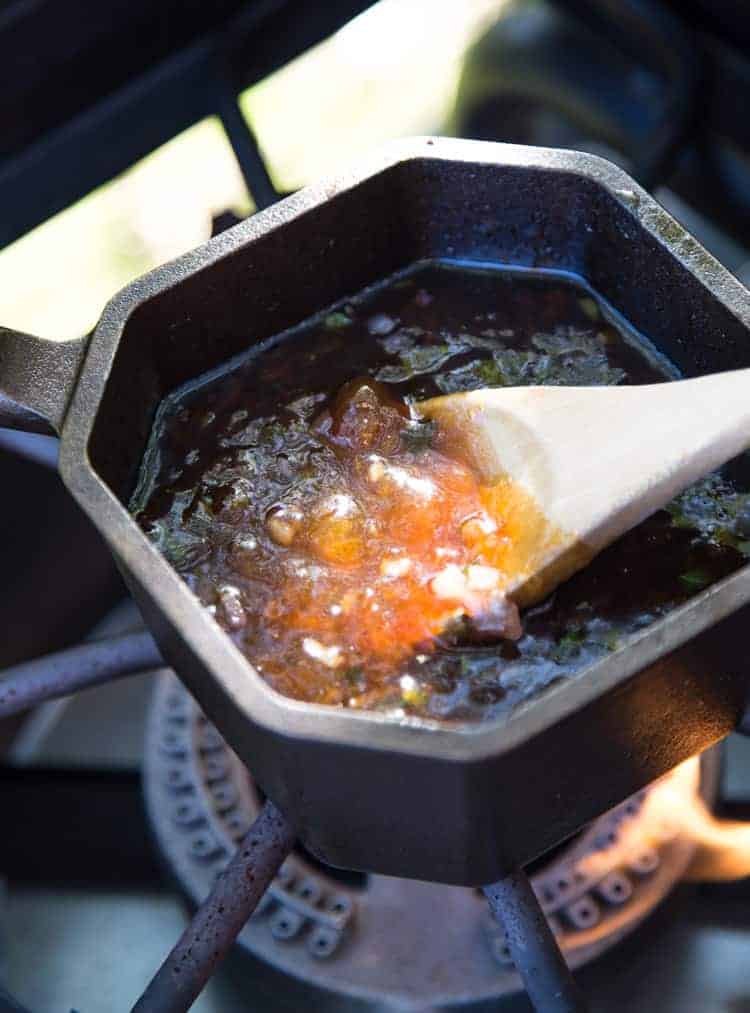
<point x="348" y="553"/>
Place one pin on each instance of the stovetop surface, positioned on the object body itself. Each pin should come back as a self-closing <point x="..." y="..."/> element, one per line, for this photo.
<point x="90" y="948"/>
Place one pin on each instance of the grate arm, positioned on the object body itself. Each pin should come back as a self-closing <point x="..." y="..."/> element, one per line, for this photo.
<point x="545" y="975"/>
<point x="247" y="151"/>
<point x="65" y="672"/>
<point x="219" y="920"/>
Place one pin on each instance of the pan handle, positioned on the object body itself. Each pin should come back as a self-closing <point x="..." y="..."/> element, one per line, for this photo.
<point x="37" y="377"/>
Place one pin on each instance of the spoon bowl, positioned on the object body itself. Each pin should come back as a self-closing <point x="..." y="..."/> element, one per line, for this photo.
<point x="573" y="468"/>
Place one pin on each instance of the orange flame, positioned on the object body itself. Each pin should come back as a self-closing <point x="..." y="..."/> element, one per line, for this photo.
<point x="674" y="807"/>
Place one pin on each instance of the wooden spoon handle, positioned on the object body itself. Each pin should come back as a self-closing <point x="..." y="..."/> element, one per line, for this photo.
<point x="598" y="460"/>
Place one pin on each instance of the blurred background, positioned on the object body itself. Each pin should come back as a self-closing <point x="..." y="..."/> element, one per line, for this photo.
<point x="115" y="150"/>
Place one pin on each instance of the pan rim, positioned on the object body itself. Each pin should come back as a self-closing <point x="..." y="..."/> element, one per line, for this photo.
<point x="264" y="707"/>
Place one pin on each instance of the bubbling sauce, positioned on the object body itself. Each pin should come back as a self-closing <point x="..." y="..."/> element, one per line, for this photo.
<point x="344" y="545"/>
<point x="390" y="549"/>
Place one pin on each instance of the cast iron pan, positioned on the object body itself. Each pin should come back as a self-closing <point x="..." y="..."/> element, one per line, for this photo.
<point x="458" y="805"/>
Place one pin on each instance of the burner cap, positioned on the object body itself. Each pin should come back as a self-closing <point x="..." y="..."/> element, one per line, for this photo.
<point x="394" y="942"/>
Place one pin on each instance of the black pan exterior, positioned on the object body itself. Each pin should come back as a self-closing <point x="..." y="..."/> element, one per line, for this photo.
<point x="458" y="805"/>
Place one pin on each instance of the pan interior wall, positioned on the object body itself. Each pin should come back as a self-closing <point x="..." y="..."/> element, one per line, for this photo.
<point x="419" y="209"/>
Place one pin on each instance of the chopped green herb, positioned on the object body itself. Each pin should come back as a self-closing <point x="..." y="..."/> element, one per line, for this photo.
<point x="723" y="536"/>
<point x="354" y="674"/>
<point x="589" y="307"/>
<point x="568" y="646"/>
<point x="335" y="321"/>
<point x="679" y="520"/>
<point x="709" y="507"/>
<point x="465" y="665"/>
<point x="183" y="550"/>
<point x="612" y="640"/>
<point x="742" y="519"/>
<point x="415" y="696"/>
<point x="694" y="580"/>
<point x="272" y="434"/>
<point x="565" y="357"/>
<point x="568" y="341"/>
<point x="419" y="436"/>
<point x="415" y="361"/>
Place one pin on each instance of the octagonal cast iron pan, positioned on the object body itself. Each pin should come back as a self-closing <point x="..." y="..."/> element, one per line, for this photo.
<point x="460" y="805"/>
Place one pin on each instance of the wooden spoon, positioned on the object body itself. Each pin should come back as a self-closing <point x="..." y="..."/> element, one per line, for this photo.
<point x="570" y="469"/>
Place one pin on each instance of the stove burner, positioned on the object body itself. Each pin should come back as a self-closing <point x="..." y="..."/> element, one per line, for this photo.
<point x="369" y="936"/>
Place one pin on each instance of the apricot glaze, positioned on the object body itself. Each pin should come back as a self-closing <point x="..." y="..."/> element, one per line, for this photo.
<point x="342" y="543"/>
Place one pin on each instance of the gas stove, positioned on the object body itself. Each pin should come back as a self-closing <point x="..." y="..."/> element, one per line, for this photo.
<point x="98" y="884"/>
<point x="125" y="806"/>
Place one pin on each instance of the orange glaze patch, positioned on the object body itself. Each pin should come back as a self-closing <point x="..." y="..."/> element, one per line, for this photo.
<point x="400" y="544"/>
<point x="534" y="555"/>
